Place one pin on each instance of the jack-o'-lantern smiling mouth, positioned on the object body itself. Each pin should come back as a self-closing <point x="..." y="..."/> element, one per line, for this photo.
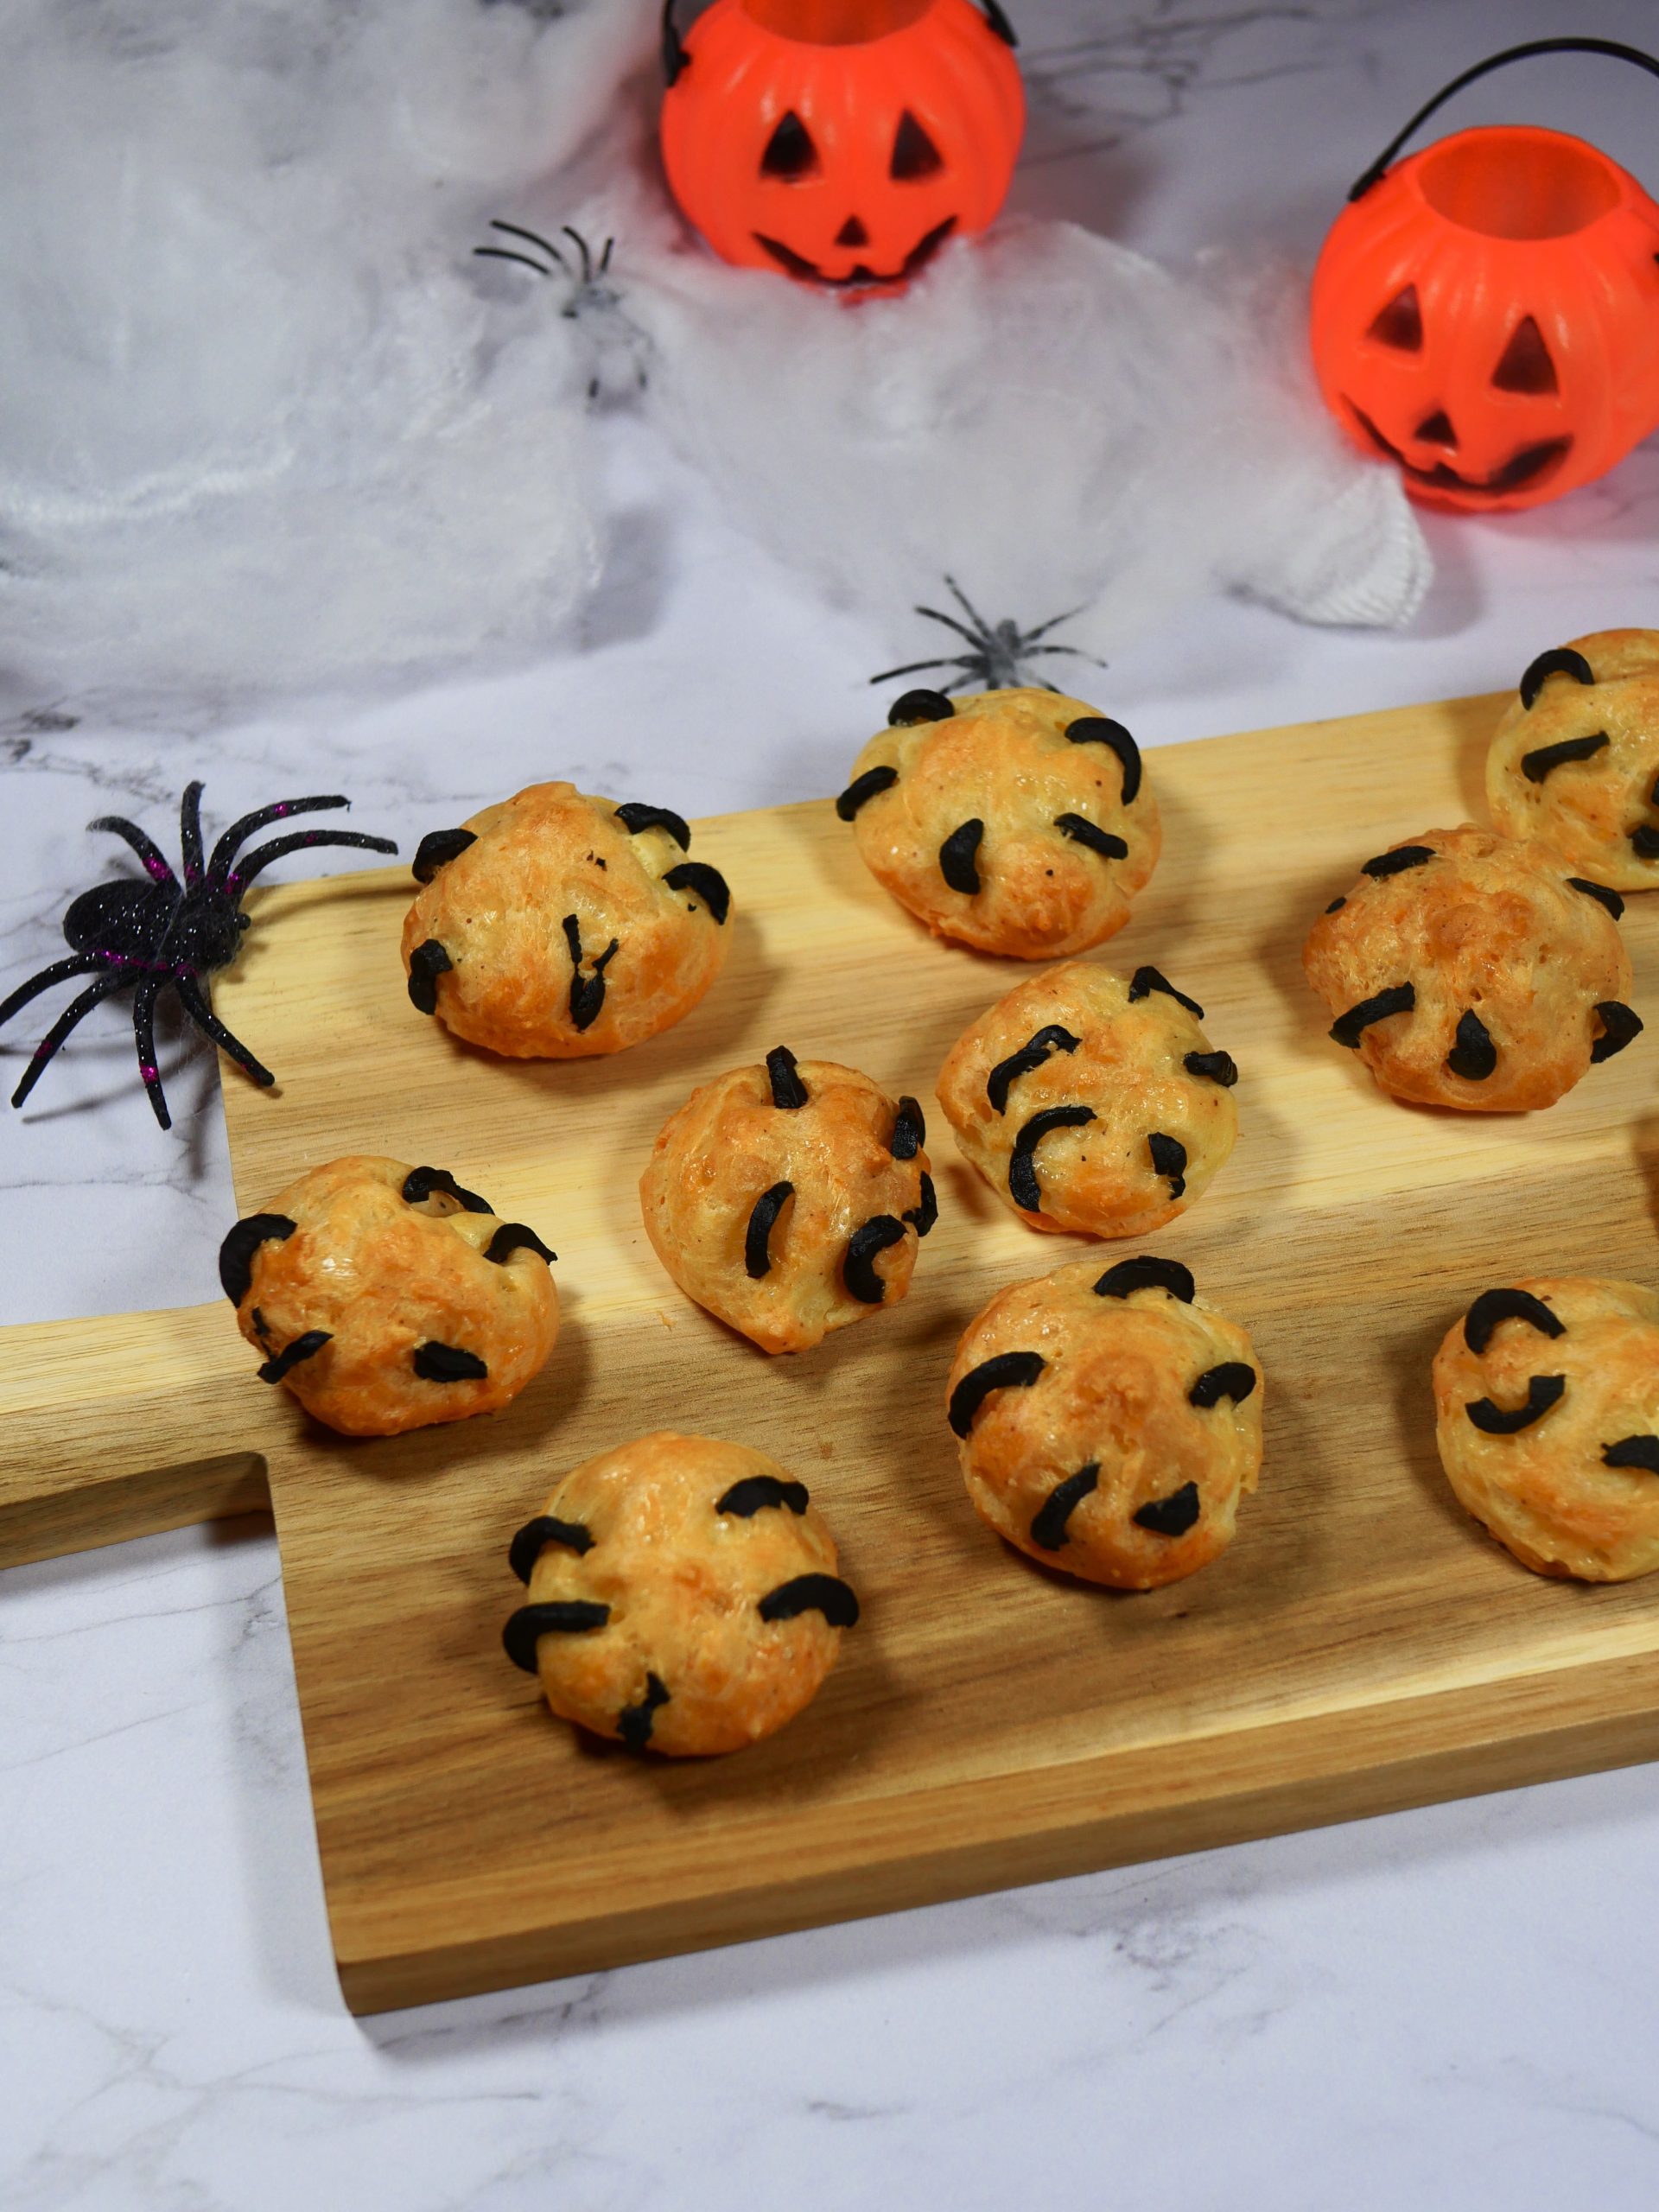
<point x="797" y="265"/>
<point x="1530" y="464"/>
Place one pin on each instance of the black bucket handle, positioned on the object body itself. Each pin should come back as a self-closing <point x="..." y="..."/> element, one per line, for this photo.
<point x="1608" y="46"/>
<point x="675" y="56"/>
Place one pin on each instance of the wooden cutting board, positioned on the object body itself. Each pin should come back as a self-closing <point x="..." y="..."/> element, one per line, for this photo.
<point x="1362" y="1646"/>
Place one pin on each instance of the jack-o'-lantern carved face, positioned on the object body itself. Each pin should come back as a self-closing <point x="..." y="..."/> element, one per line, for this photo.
<point x="1487" y="317"/>
<point x="847" y="149"/>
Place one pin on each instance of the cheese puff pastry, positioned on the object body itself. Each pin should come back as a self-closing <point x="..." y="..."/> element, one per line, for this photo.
<point x="1547" y="1416"/>
<point x="682" y="1594"/>
<point x="1092" y="1101"/>
<point x="1575" y="760"/>
<point x="1473" y="970"/>
<point x="1017" y="821"/>
<point x="556" y="927"/>
<point x="790" y="1199"/>
<point x="387" y="1297"/>
<point x="1107" y="1424"/>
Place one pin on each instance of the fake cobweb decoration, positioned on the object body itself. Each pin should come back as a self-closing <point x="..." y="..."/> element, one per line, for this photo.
<point x="268" y="423"/>
<point x="259" y="427"/>
<point x="1053" y="421"/>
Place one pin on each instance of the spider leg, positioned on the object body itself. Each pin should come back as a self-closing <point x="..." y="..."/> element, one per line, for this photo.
<point x="256" y="863"/>
<point x="580" y="244"/>
<point x="78" y="964"/>
<point x="915" y="668"/>
<point x="1075" y="652"/>
<point x="967" y="605"/>
<point x="243" y="826"/>
<point x="143" y="1033"/>
<point x="506" y="253"/>
<point x="194" y="1002"/>
<point x="531" y="237"/>
<point x="974" y="636"/>
<point x="1053" y="623"/>
<point x="605" y="257"/>
<point x="66" y="1022"/>
<point x="144" y="845"/>
<point x="190" y="832"/>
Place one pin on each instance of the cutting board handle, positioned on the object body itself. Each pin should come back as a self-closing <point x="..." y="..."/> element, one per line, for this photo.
<point x="119" y="1427"/>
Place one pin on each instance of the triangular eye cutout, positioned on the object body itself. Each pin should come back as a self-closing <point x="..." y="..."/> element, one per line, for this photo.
<point x="1526" y="365"/>
<point x="1400" y="323"/>
<point x="790" y="151"/>
<point x="914" y="154"/>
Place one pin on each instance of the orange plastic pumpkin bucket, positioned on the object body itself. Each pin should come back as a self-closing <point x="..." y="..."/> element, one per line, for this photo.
<point x="841" y="141"/>
<point x="1487" y="313"/>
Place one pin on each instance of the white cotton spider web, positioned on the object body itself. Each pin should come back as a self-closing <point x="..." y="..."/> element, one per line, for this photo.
<point x="1051" y="419"/>
<point x="259" y="428"/>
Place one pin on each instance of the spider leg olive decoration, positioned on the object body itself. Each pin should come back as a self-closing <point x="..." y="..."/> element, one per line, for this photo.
<point x="1233" y="1380"/>
<point x="1543" y="1391"/>
<point x="1053" y="1038"/>
<point x="1495" y="1306"/>
<point x="1474" y="1055"/>
<point x="957" y="862"/>
<point x="757" y="1253"/>
<point x="535" y="1536"/>
<point x="1619" y="1025"/>
<point x="1048" y="1528"/>
<point x="171" y="934"/>
<point x="1169" y="1160"/>
<point x="633" y="1722"/>
<point x="1004" y="1371"/>
<point x="1146" y="1274"/>
<point x="1022" y="1166"/>
<point x="923" y="1216"/>
<point x="1561" y="660"/>
<point x="1397" y="861"/>
<point x="1537" y="765"/>
<point x="1147" y="980"/>
<point x="587" y="992"/>
<point x="1600" y="894"/>
<point x="858" y="1269"/>
<point x="756" y="1493"/>
<point x="1169" y="1516"/>
<point x="1633" y="1451"/>
<point x="1348" y="1028"/>
<point x="811" y="1593"/>
<point x="997" y="654"/>
<point x="1084" y="832"/>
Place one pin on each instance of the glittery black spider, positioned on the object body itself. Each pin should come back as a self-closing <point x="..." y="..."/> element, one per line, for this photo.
<point x="997" y="651"/>
<point x="592" y="297"/>
<point x="170" y="933"/>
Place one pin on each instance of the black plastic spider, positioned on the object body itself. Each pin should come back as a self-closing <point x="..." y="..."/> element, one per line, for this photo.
<point x="997" y="651"/>
<point x="168" y="934"/>
<point x="618" y="345"/>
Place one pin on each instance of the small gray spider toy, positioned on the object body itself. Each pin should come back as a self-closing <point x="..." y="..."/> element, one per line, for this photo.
<point x="615" y="348"/>
<point x="996" y="652"/>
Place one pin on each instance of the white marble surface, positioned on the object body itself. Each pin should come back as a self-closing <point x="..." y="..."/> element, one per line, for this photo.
<point x="1453" y="2007"/>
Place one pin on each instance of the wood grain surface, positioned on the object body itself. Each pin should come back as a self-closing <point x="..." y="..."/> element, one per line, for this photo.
<point x="1362" y="1645"/>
